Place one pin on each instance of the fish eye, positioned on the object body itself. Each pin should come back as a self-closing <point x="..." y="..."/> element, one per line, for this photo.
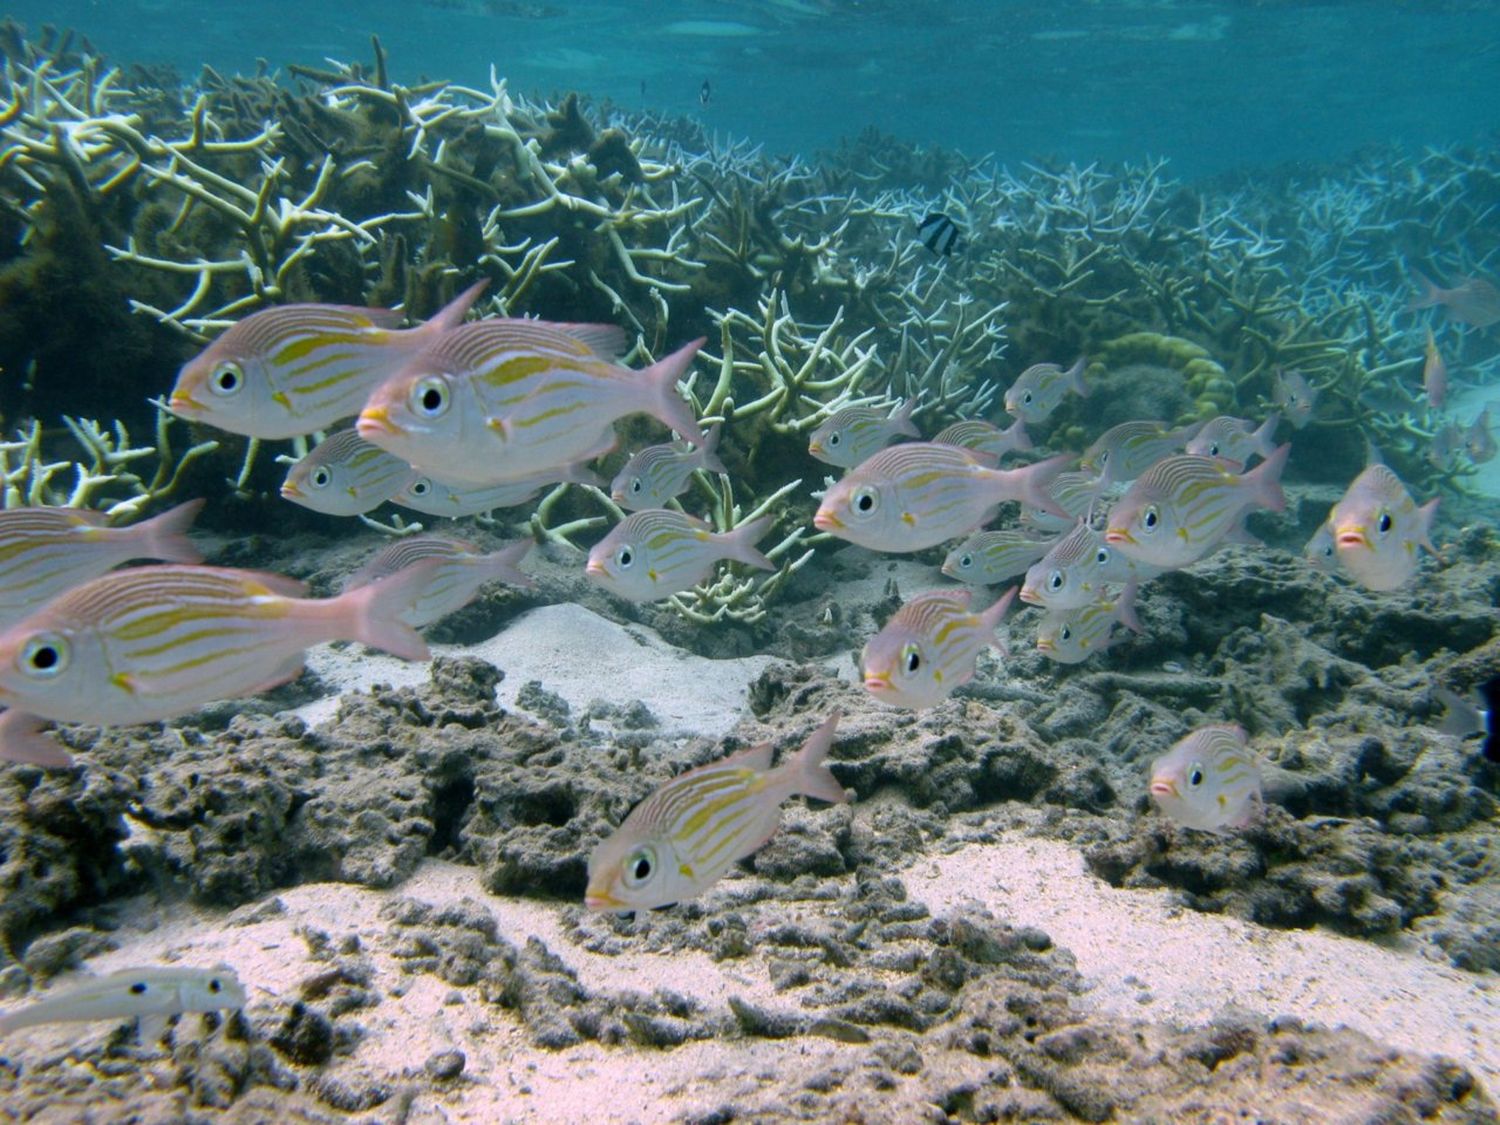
<point x="965" y="561"/>
<point x="1066" y="632"/>
<point x="911" y="658"/>
<point x="1384" y="523"/>
<point x="1103" y="458"/>
<point x="227" y="379"/>
<point x="429" y="396"/>
<point x="1213" y="450"/>
<point x="865" y="501"/>
<point x="1026" y="398"/>
<point x="138" y="988"/>
<point x="1150" y="518"/>
<point x="215" y="986"/>
<point x="44" y="656"/>
<point x="1101" y="556"/>
<point x="636" y="485"/>
<point x="1055" y="580"/>
<point x="1195" y="775"/>
<point x="320" y="477"/>
<point x="624" y="557"/>
<point x="421" y="487"/>
<point x="639" y="867"/>
<point x="833" y="439"/>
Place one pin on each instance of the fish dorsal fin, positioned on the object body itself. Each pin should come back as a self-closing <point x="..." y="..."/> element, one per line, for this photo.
<point x="274" y="583"/>
<point x="757" y="758"/>
<point x="608" y="341"/>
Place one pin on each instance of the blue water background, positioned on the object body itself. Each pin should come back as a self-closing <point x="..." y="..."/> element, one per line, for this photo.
<point x="1211" y="86"/>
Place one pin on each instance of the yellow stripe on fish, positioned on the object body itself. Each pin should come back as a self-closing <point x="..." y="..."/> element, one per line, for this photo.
<point x="459" y="572"/>
<point x="344" y="475"/>
<point x="659" y="552"/>
<point x="929" y="647"/>
<point x="1209" y="780"/>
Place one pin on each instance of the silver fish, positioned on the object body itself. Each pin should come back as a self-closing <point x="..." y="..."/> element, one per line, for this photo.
<point x="856" y="433"/>
<point x="988" y="558"/>
<point x="344" y="475"/>
<point x="1294" y="396"/>
<point x="987" y="439"/>
<point x="452" y="583"/>
<point x="1209" y="780"/>
<point x="929" y="647"/>
<point x="1124" y="452"/>
<point x="453" y="499"/>
<point x="661" y="472"/>
<point x="148" y="993"/>
<point x="1071" y="636"/>
<point x="1377" y="528"/>
<point x="654" y="554"/>
<point x="1234" y="440"/>
<point x="1040" y="389"/>
<point x="1076" y="570"/>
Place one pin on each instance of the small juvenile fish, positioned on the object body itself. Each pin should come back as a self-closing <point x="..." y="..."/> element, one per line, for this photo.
<point x="1209" y="780"/>
<point x="1377" y="528"/>
<point x="1075" y="493"/>
<point x="453" y="582"/>
<point x="1294" y="396"/>
<point x="1472" y="301"/>
<point x="1124" y="452"/>
<point x="920" y="494"/>
<point x="1039" y="390"/>
<point x="660" y="472"/>
<point x="500" y="399"/>
<point x="1434" y="375"/>
<point x="155" y="642"/>
<point x="940" y="234"/>
<point x="294" y="369"/>
<point x="150" y="992"/>
<point x="344" y="475"/>
<point x="1446" y="442"/>
<point x="46" y="551"/>
<point x="929" y="647"/>
<point x="982" y="437"/>
<point x="1076" y="569"/>
<point x="1479" y="439"/>
<point x="1234" y="440"/>
<point x="434" y="497"/>
<point x="1071" y="636"/>
<point x="856" y="433"/>
<point x="681" y="840"/>
<point x="988" y="558"/>
<point x="1181" y="508"/>
<point x="705" y="93"/>
<point x="654" y="554"/>
<point x="1462" y="718"/>
<point x="1321" y="552"/>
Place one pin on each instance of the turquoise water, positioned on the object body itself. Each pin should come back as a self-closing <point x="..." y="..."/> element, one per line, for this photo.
<point x="1212" y="86"/>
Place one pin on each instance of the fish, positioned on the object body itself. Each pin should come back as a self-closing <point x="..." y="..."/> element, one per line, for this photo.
<point x="1076" y="569"/>
<point x="1071" y="636"/>
<point x="929" y="647"/>
<point x="921" y="494"/>
<point x="1472" y="301"/>
<point x="500" y="399"/>
<point x="151" y="994"/>
<point x="1434" y="375"/>
<point x="654" y="554"/>
<point x="659" y="473"/>
<point x="1294" y="396"/>
<point x="856" y="433"/>
<point x="1446" y="441"/>
<point x="1209" y="780"/>
<point x="940" y="234"/>
<point x="988" y="558"/>
<point x="461" y="570"/>
<point x="155" y="642"/>
<point x="1039" y="390"/>
<point x="1491" y="693"/>
<point x="1479" y="440"/>
<point x="1377" y="528"/>
<point x="45" y="552"/>
<point x="344" y="475"/>
<point x="435" y="497"/>
<point x="1321" y="552"/>
<point x="1234" y="440"/>
<point x="681" y="840"/>
<point x="1124" y="452"/>
<point x="705" y="93"/>
<point x="1181" y="508"/>
<point x="1462" y="718"/>
<point x="295" y="369"/>
<point x="1075" y="493"/>
<point x="990" y="440"/>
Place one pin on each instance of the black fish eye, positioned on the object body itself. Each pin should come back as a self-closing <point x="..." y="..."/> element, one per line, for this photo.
<point x="320" y="477"/>
<point x="226" y="379"/>
<point x="1026" y="398"/>
<point x="912" y="658"/>
<point x="833" y="438"/>
<point x="1102" y="556"/>
<point x="138" y="988"/>
<point x="624" y="556"/>
<point x="1213" y="450"/>
<point x="864" y="501"/>
<point x="429" y="396"/>
<point x="1067" y="633"/>
<point x="635" y="485"/>
<point x="1149" y="519"/>
<point x="1103" y="456"/>
<point x="966" y="561"/>
<point x="1055" y="580"/>
<point x="421" y="486"/>
<point x="1385" y="522"/>
<point x="45" y="655"/>
<point x="214" y="986"/>
<point x="642" y="868"/>
<point x="1195" y="776"/>
<point x="639" y="866"/>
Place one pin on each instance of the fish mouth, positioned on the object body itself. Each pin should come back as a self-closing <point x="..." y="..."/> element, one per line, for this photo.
<point x="815" y="447"/>
<point x="375" y="421"/>
<point x="602" y="900"/>
<point x="877" y="683"/>
<point x="1351" y="535"/>
<point x="1164" y="788"/>
<point x="594" y="568"/>
<point x="291" y="492"/>
<point x="617" y="497"/>
<point x="1044" y="645"/>
<point x="183" y="403"/>
<point x="1031" y="595"/>
<point x="1117" y="535"/>
<point x="827" y="521"/>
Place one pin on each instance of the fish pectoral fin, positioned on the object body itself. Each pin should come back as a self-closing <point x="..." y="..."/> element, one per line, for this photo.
<point x="22" y="739"/>
<point x="151" y="1028"/>
<point x="125" y="682"/>
<point x="499" y="426"/>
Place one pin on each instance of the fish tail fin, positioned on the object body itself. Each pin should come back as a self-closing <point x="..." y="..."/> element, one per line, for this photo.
<point x="164" y="536"/>
<point x="990" y="619"/>
<point x="1036" y="480"/>
<point x="1264" y="439"/>
<point x="452" y="314"/>
<point x="739" y="544"/>
<point x="665" y="404"/>
<point x="1125" y="608"/>
<point x="901" y="418"/>
<point x="372" y="614"/>
<point x="22" y="740"/>
<point x="1265" y="479"/>
<point x="504" y="564"/>
<point x="807" y="773"/>
<point x="1429" y="294"/>
<point x="1020" y="440"/>
<point x="708" y="452"/>
<point x="1425" y="515"/>
<point x="1075" y="377"/>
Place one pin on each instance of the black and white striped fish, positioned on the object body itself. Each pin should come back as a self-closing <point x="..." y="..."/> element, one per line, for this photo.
<point x="939" y="234"/>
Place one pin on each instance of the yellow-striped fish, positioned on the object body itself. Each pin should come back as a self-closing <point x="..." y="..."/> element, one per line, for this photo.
<point x="435" y="497"/>
<point x="1181" y="508"/>
<point x="1234" y="441"/>
<point x="461" y="570"/>
<point x="855" y="433"/>
<point x="680" y="840"/>
<point x="1377" y="528"/>
<point x="344" y="475"/>
<point x="919" y="494"/>
<point x="660" y="472"/>
<point x="1208" y="780"/>
<point x="1039" y="390"/>
<point x="1076" y="569"/>
<point x="155" y="642"/>
<point x="501" y="399"/>
<point x="1075" y="493"/>
<point x="986" y="439"/>
<point x="150" y="994"/>
<point x="46" y="551"/>
<point x="1124" y="452"/>
<point x="292" y="370"/>
<point x="654" y="554"/>
<point x="1071" y="636"/>
<point x="929" y="647"/>
<point x="988" y="558"/>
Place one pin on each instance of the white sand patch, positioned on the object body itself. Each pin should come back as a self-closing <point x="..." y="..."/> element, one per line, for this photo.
<point x="1194" y="964"/>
